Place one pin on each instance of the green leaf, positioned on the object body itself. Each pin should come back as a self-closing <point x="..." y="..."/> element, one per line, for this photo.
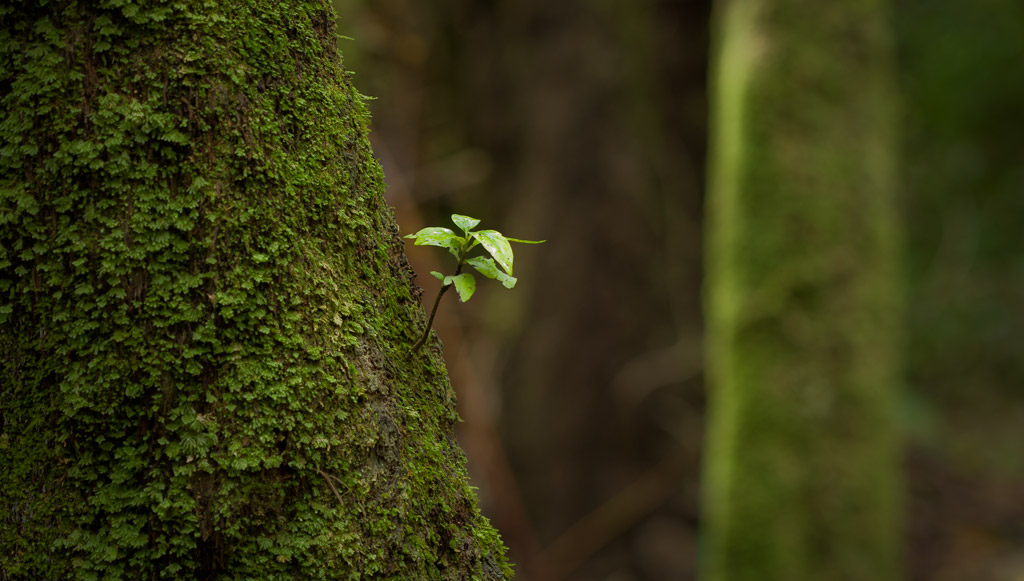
<point x="465" y="284"/>
<point x="487" y="268"/>
<point x="464" y="222"/>
<point x="435" y="236"/>
<point x="525" y="241"/>
<point x="497" y="245"/>
<point x="437" y="275"/>
<point x="457" y="247"/>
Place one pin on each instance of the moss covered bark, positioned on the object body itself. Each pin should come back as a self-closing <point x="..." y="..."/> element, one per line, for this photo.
<point x="205" y="310"/>
<point x="802" y="463"/>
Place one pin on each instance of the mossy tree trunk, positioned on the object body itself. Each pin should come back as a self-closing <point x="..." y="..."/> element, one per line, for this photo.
<point x="803" y="319"/>
<point x="205" y="310"/>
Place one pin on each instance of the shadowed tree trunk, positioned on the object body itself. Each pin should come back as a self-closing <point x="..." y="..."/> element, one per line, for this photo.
<point x="205" y="311"/>
<point x="802" y="480"/>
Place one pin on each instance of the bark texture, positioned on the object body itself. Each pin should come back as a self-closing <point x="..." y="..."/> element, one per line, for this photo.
<point x="802" y="299"/>
<point x="205" y="310"/>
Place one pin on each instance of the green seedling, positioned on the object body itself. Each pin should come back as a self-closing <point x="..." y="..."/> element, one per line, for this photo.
<point x="498" y="266"/>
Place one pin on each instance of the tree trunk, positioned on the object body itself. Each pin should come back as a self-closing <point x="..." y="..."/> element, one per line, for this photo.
<point x="802" y="461"/>
<point x="206" y="311"/>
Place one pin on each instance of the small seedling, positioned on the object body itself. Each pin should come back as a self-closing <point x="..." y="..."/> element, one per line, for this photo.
<point x="496" y="244"/>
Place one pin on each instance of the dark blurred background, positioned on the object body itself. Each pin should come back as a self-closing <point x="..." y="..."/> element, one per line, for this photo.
<point x="585" y="122"/>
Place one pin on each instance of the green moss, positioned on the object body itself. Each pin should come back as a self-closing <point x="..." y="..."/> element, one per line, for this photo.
<point x="205" y="308"/>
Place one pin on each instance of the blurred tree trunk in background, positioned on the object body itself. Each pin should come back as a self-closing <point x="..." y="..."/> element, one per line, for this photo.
<point x="803" y="320"/>
<point x="205" y="311"/>
<point x="580" y="364"/>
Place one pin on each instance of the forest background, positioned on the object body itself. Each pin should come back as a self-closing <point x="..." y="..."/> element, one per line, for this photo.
<point x="582" y="391"/>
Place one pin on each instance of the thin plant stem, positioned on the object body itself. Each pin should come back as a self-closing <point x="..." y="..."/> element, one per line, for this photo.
<point x="433" y="312"/>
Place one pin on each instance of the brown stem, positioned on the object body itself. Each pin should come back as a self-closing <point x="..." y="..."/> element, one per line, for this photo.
<point x="433" y="311"/>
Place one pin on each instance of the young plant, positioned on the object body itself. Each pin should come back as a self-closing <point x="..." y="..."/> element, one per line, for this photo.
<point x="494" y="242"/>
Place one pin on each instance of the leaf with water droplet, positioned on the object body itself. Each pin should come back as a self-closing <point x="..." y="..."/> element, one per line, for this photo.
<point x="434" y="236"/>
<point x="465" y="285"/>
<point x="464" y="222"/>
<point x="486" y="267"/>
<point x="497" y="245"/>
